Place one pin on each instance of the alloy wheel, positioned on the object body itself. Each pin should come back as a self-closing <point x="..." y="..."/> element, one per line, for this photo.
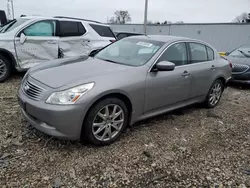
<point x="215" y="94"/>
<point x="108" y="122"/>
<point x="3" y="68"/>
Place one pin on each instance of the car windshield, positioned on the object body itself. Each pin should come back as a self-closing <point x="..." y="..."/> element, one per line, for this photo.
<point x="242" y="52"/>
<point x="12" y="25"/>
<point x="130" y="51"/>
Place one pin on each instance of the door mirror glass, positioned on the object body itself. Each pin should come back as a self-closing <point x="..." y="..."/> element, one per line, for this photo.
<point x="23" y="38"/>
<point x="165" y="66"/>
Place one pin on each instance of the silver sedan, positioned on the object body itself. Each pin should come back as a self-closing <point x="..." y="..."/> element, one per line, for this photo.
<point x="94" y="98"/>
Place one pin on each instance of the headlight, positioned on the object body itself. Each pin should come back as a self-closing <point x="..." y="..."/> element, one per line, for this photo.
<point x="69" y="96"/>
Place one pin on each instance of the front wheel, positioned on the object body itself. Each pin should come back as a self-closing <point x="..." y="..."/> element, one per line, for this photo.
<point x="105" y="121"/>
<point x="214" y="94"/>
<point x="5" y="69"/>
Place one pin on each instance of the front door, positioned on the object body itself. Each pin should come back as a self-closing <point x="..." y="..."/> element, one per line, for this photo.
<point x="37" y="43"/>
<point x="165" y="88"/>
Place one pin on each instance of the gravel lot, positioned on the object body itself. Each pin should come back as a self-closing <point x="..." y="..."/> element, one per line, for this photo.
<point x="189" y="147"/>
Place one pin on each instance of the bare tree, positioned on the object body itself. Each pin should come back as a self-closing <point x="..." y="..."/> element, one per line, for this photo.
<point x="241" y="18"/>
<point x="120" y="17"/>
<point x="166" y="22"/>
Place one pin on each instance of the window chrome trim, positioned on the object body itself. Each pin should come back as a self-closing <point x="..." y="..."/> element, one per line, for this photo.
<point x="187" y="44"/>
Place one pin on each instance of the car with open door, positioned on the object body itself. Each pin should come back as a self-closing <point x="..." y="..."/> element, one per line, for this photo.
<point x="96" y="97"/>
<point x="28" y="41"/>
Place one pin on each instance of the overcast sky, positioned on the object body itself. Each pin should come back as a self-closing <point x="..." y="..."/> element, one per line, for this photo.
<point x="159" y="10"/>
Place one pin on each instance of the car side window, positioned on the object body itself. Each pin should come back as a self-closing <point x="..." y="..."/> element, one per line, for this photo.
<point x="210" y="54"/>
<point x="71" y="29"/>
<point x="42" y="28"/>
<point x="177" y="54"/>
<point x="198" y="52"/>
<point x="103" y="31"/>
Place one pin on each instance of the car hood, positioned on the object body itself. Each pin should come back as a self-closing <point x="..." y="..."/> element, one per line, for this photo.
<point x="60" y="73"/>
<point x="245" y="61"/>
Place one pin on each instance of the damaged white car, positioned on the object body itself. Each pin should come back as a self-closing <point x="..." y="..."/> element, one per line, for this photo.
<point x="27" y="41"/>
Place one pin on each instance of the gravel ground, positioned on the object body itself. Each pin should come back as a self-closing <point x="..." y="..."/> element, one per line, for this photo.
<point x="192" y="147"/>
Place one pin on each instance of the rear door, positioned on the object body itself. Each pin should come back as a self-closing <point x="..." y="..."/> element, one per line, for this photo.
<point x="201" y="68"/>
<point x="74" y="39"/>
<point x="40" y="44"/>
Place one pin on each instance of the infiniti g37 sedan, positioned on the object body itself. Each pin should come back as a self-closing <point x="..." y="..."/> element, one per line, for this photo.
<point x="94" y="98"/>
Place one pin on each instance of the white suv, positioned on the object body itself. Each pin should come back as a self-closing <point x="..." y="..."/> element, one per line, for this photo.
<point x="27" y="41"/>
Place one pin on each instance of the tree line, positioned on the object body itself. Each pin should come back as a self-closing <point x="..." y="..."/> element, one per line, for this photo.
<point x="123" y="17"/>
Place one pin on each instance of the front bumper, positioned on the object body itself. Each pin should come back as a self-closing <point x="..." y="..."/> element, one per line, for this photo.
<point x="241" y="78"/>
<point x="61" y="121"/>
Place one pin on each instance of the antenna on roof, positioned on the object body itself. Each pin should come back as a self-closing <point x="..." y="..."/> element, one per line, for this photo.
<point x="76" y="19"/>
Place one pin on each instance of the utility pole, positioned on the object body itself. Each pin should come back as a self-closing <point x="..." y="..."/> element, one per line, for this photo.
<point x="8" y="10"/>
<point x="9" y="13"/>
<point x="12" y="7"/>
<point x="145" y="17"/>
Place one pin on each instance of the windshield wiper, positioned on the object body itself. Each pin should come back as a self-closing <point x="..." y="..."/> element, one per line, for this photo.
<point x="244" y="53"/>
<point x="108" y="60"/>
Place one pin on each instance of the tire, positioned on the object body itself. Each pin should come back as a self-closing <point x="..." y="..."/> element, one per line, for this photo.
<point x="217" y="93"/>
<point x="104" y="124"/>
<point x="5" y="68"/>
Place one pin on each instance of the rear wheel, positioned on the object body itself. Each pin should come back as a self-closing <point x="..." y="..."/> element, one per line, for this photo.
<point x="5" y="69"/>
<point x="105" y="122"/>
<point x="214" y="94"/>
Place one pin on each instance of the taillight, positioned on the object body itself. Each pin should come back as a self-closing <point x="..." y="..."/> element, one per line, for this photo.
<point x="112" y="41"/>
<point x="230" y="64"/>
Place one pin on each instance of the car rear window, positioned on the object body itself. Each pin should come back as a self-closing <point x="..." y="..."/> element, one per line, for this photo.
<point x="198" y="52"/>
<point x="210" y="54"/>
<point x="70" y="29"/>
<point x="103" y="31"/>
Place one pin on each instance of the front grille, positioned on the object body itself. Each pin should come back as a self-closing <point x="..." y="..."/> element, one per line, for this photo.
<point x="32" y="90"/>
<point x="239" y="68"/>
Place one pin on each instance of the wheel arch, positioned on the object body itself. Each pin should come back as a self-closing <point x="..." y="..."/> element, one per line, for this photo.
<point x="7" y="54"/>
<point x="222" y="79"/>
<point x="111" y="94"/>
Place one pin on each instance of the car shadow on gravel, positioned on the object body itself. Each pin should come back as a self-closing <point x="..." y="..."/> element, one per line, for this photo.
<point x="239" y="86"/>
<point x="172" y="115"/>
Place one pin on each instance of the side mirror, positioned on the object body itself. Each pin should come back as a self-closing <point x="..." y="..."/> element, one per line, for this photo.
<point x="23" y="38"/>
<point x="165" y="66"/>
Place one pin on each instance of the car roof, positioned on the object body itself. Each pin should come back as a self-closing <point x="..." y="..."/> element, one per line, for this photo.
<point x="161" y="38"/>
<point x="128" y="32"/>
<point x="65" y="18"/>
<point x="169" y="39"/>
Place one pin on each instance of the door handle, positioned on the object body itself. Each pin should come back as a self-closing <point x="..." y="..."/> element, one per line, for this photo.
<point x="51" y="42"/>
<point x="185" y="73"/>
